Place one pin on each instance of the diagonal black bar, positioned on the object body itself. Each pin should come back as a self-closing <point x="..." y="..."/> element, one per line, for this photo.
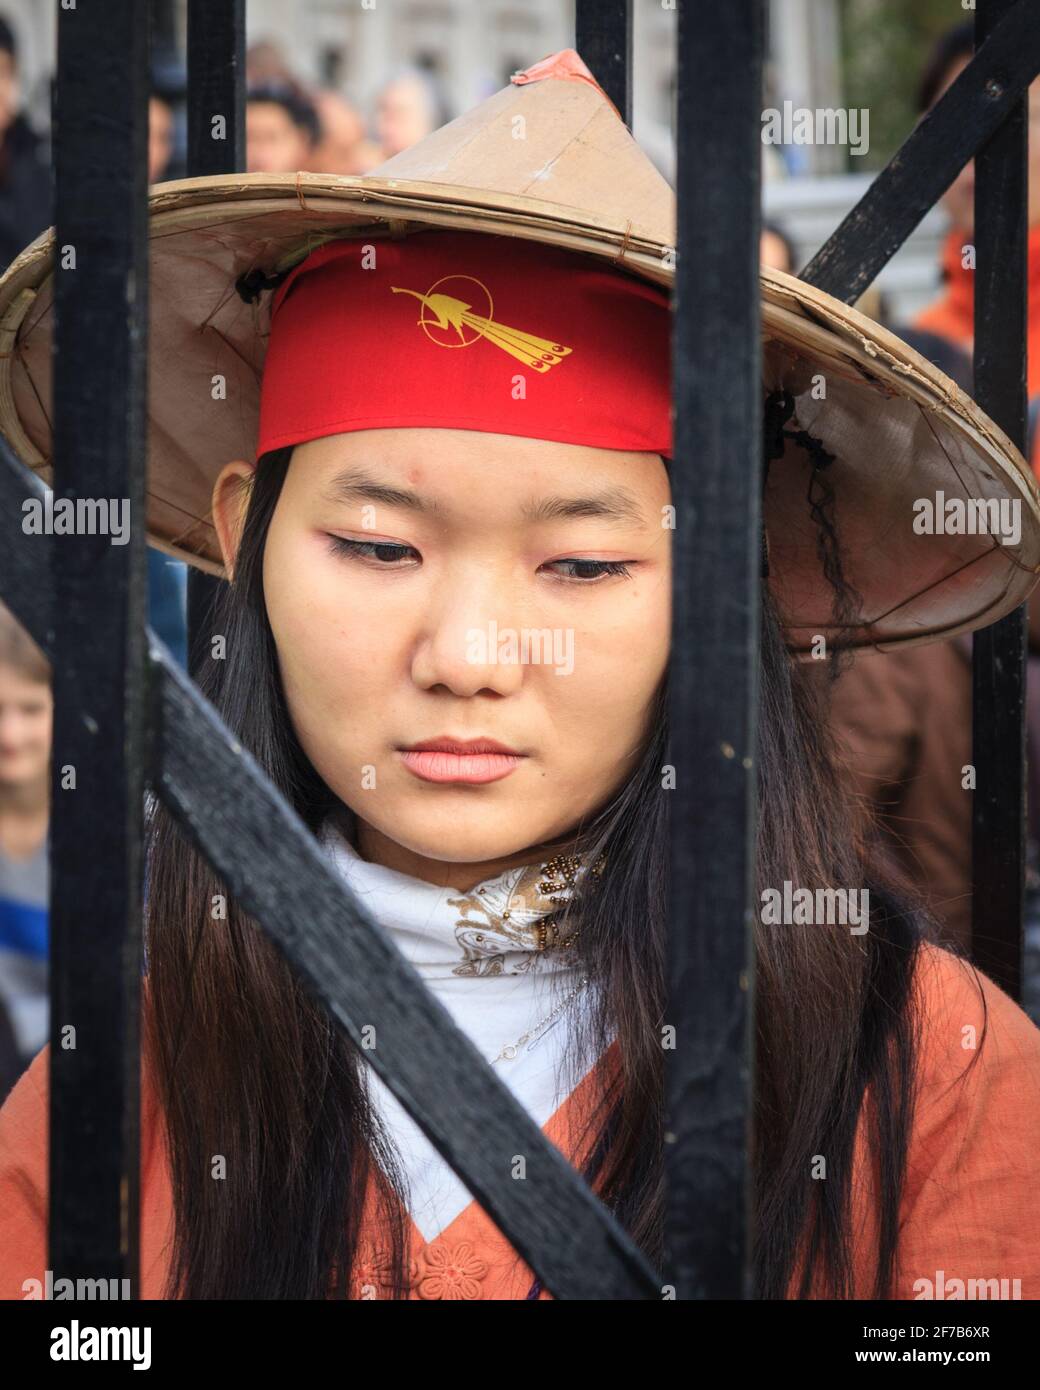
<point x="928" y="161"/>
<point x="216" y="145"/>
<point x="714" y="653"/>
<point x="603" y="38"/>
<point x="999" y="660"/>
<point x="97" y="782"/>
<point x="272" y="864"/>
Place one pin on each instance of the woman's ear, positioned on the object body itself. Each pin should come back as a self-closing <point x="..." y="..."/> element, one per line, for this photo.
<point x="231" y="494"/>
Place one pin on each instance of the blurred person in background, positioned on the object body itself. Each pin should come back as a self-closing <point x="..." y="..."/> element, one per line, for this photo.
<point x="25" y="178"/>
<point x="408" y="108"/>
<point x="776" y="249"/>
<point x="160" y="137"/>
<point x="343" y="147"/>
<point x="267" y="65"/>
<point x="952" y="315"/>
<point x="26" y="711"/>
<point x="281" y="130"/>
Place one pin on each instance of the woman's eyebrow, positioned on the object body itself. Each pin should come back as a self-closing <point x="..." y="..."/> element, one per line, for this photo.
<point x="354" y="484"/>
<point x="614" y="504"/>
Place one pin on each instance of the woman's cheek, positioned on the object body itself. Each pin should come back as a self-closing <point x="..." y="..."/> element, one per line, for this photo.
<point x="631" y="645"/>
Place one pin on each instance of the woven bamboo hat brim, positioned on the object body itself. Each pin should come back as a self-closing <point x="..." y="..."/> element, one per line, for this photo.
<point x="549" y="159"/>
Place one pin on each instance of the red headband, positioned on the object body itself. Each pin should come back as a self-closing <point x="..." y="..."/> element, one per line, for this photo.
<point x="462" y="330"/>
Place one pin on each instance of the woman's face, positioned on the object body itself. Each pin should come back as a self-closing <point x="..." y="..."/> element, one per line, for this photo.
<point x="424" y="584"/>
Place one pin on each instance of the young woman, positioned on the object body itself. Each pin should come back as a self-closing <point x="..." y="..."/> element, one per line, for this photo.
<point x="464" y="445"/>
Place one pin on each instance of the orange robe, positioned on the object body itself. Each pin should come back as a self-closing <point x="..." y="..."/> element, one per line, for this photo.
<point x="952" y="316"/>
<point x="969" y="1208"/>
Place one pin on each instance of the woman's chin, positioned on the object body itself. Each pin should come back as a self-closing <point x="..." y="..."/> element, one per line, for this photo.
<point x="458" y="836"/>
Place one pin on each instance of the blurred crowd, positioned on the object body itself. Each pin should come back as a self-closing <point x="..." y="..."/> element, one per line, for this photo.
<point x="290" y="125"/>
<point x="903" y="718"/>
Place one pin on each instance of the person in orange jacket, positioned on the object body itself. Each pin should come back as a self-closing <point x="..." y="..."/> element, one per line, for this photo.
<point x="952" y="315"/>
<point x="460" y="448"/>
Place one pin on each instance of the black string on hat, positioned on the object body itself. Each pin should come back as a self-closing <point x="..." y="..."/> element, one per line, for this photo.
<point x="253" y="283"/>
<point x="848" y="603"/>
<point x="779" y="407"/>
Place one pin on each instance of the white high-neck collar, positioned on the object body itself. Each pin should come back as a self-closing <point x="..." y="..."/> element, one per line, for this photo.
<point x="490" y="929"/>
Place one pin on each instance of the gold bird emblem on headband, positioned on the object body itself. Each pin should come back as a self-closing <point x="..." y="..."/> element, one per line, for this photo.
<point x="444" y="312"/>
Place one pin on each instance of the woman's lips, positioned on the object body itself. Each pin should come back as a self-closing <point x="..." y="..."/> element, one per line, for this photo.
<point x="440" y="765"/>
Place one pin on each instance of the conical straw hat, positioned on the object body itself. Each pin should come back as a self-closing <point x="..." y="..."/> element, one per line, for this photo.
<point x="549" y="159"/>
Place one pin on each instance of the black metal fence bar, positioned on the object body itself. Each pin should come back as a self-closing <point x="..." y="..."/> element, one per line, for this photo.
<point x="999" y="662"/>
<point x="270" y="862"/>
<point x="930" y="158"/>
<point x="216" y="86"/>
<point x="716" y="481"/>
<point x="216" y="145"/>
<point x="100" y="300"/>
<point x="603" y="37"/>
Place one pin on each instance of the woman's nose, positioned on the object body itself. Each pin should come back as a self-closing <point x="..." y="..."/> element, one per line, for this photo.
<point x="471" y="641"/>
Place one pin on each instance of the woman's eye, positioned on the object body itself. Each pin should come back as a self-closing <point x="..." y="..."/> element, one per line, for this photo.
<point x="383" y="553"/>
<point x="390" y="554"/>
<point x="590" y="570"/>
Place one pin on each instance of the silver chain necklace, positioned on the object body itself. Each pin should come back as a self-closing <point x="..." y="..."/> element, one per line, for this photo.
<point x="511" y="1050"/>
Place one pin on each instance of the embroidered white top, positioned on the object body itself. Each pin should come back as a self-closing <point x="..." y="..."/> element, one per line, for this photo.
<point x="479" y="953"/>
